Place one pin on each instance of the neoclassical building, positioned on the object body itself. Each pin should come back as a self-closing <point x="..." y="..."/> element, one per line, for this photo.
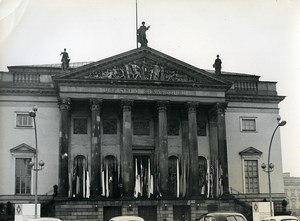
<point x="139" y="133"/>
<point x="292" y="191"/>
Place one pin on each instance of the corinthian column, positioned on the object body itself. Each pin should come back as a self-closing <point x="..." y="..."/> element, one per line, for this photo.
<point x="218" y="148"/>
<point x="95" y="147"/>
<point x="163" y="147"/>
<point x="193" y="147"/>
<point x="63" y="181"/>
<point x="222" y="144"/>
<point x="126" y="152"/>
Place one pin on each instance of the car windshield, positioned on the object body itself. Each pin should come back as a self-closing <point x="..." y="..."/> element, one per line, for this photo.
<point x="235" y="218"/>
<point x="209" y="218"/>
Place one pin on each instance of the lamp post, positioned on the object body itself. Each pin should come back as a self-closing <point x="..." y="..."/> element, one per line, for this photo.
<point x="36" y="166"/>
<point x="268" y="169"/>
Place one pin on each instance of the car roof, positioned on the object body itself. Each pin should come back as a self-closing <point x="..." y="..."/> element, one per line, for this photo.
<point x="45" y="219"/>
<point x="223" y="214"/>
<point x="281" y="218"/>
<point x="127" y="218"/>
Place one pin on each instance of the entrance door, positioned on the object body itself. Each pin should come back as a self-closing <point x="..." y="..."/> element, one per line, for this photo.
<point x="111" y="211"/>
<point x="80" y="177"/>
<point x="149" y="213"/>
<point x="182" y="213"/>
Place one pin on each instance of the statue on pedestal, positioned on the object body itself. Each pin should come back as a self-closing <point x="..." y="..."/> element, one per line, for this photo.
<point x="141" y="34"/>
<point x="65" y="60"/>
<point x="218" y="65"/>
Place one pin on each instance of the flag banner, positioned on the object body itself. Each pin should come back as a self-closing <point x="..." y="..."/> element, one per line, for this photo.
<point x="110" y="173"/>
<point x="102" y="180"/>
<point x="115" y="191"/>
<point x="177" y="178"/>
<point x="77" y="185"/>
<point x="70" y="186"/>
<point x="220" y="177"/>
<point x="120" y="184"/>
<point x="149" y="180"/>
<point x="106" y="181"/>
<point x="87" y="177"/>
<point x="83" y="182"/>
<point x="87" y="185"/>
<point x="203" y="175"/>
<point x="211" y="177"/>
<point x="137" y="185"/>
<point x="74" y="175"/>
<point x="144" y="179"/>
<point x="79" y="181"/>
<point x="141" y="177"/>
<point x="208" y="178"/>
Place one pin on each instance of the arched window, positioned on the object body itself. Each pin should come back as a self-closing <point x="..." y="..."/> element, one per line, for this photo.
<point x="202" y="162"/>
<point x="110" y="177"/>
<point x="173" y="170"/>
<point x="80" y="177"/>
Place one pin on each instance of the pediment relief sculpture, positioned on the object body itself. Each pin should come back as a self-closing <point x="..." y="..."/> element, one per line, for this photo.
<point x="141" y="70"/>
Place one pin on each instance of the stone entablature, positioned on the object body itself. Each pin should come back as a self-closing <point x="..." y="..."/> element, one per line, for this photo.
<point x="158" y="74"/>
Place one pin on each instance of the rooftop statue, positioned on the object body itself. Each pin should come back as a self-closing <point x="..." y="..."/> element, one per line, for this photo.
<point x="218" y="65"/>
<point x="141" y="34"/>
<point x="65" y="60"/>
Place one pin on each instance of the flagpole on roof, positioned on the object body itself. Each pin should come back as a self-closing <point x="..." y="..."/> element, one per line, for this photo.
<point x="136" y="22"/>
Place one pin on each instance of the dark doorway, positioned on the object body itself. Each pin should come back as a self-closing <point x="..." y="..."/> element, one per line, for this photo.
<point x="149" y="213"/>
<point x="182" y="213"/>
<point x="111" y="211"/>
<point x="80" y="181"/>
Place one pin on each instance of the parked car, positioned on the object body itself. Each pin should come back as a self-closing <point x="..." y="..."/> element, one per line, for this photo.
<point x="281" y="218"/>
<point x="127" y="218"/>
<point x="45" y="219"/>
<point x="223" y="216"/>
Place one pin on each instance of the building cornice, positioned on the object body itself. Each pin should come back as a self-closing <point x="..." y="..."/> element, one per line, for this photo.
<point x="141" y="83"/>
<point x="25" y="91"/>
<point x="254" y="98"/>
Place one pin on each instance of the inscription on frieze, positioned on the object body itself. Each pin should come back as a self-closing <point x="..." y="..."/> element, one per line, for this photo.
<point x="143" y="91"/>
<point x="142" y="70"/>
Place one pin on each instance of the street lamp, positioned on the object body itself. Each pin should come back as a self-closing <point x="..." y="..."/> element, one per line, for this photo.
<point x="270" y="167"/>
<point x="36" y="166"/>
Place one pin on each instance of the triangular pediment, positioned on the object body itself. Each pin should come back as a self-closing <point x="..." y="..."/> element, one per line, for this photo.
<point x="250" y="151"/>
<point x="143" y="64"/>
<point x="22" y="148"/>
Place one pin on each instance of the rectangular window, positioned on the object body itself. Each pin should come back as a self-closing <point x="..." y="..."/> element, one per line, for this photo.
<point x="141" y="127"/>
<point x="110" y="126"/>
<point x="24" y="120"/>
<point x="201" y="128"/>
<point x="251" y="176"/>
<point x="173" y="127"/>
<point x="23" y="176"/>
<point x="248" y="124"/>
<point x="80" y="126"/>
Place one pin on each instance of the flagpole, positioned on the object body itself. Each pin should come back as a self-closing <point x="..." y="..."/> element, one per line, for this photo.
<point x="136" y="22"/>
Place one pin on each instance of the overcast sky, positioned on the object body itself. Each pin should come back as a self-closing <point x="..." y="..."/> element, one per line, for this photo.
<point x="260" y="37"/>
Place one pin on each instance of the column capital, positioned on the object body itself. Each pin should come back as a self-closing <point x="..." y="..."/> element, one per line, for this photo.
<point x="218" y="109"/>
<point x="221" y="107"/>
<point x="162" y="105"/>
<point x="191" y="106"/>
<point x="95" y="104"/>
<point x="126" y="104"/>
<point x="64" y="103"/>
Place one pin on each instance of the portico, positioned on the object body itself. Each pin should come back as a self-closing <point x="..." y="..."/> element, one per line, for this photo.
<point x="134" y="123"/>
